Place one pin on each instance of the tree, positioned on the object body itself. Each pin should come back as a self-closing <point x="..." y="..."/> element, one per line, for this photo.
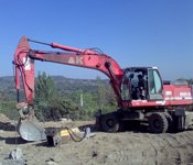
<point x="48" y="103"/>
<point x="105" y="96"/>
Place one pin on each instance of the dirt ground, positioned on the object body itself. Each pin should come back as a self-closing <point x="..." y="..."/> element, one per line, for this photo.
<point x="125" y="148"/>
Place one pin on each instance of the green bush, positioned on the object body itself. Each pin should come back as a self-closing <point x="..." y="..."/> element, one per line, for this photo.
<point x="9" y="109"/>
<point x="78" y="105"/>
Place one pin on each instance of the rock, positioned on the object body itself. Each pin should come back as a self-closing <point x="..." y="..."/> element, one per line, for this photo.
<point x="16" y="154"/>
<point x="89" y="133"/>
<point x="94" y="154"/>
<point x="51" y="162"/>
<point x="4" y="118"/>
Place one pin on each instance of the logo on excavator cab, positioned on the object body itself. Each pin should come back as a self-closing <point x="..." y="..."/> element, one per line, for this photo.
<point x="76" y="60"/>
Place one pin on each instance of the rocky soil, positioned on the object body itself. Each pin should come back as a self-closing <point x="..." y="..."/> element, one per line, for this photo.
<point x="128" y="147"/>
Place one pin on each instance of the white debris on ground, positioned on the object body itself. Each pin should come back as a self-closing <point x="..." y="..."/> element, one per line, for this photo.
<point x="51" y="161"/>
<point x="16" y="154"/>
<point x="15" y="157"/>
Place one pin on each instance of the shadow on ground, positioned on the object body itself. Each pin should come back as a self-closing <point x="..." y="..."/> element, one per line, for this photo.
<point x="13" y="140"/>
<point x="133" y="126"/>
<point x="7" y="126"/>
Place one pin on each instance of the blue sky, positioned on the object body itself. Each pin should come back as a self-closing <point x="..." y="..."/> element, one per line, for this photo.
<point x="134" y="32"/>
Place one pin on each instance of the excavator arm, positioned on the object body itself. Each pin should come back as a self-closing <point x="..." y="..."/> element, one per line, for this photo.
<point x="25" y="57"/>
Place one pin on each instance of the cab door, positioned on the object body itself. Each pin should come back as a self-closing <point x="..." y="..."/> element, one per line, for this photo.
<point x="155" y="85"/>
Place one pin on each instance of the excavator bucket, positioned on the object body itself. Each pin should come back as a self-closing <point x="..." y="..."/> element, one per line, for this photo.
<point x="31" y="130"/>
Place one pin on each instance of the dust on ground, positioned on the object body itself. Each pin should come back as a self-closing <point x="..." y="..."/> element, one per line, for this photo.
<point x="103" y="148"/>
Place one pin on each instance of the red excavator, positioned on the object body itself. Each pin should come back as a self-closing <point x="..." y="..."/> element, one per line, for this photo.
<point x="140" y="92"/>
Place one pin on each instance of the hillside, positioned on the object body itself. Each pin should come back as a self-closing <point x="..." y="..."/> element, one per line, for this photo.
<point x="63" y="85"/>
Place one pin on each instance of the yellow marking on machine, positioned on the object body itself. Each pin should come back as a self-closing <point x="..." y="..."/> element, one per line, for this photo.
<point x="65" y="132"/>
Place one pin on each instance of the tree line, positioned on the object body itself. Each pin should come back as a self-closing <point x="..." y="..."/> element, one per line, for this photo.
<point x="57" y="97"/>
<point x="64" y="99"/>
<point x="51" y="104"/>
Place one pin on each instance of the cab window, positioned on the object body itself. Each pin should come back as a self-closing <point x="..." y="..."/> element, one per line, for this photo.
<point x="155" y="84"/>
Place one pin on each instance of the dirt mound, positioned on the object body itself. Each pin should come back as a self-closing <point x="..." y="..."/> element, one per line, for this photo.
<point x="4" y="118"/>
<point x="6" y="123"/>
<point x="107" y="148"/>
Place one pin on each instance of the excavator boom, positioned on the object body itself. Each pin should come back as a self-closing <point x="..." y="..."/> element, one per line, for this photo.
<point x="25" y="57"/>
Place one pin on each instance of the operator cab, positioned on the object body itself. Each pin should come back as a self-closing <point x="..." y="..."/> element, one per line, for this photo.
<point x="141" y="83"/>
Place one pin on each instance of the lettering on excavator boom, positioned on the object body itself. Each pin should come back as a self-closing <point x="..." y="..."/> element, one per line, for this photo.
<point x="76" y="60"/>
